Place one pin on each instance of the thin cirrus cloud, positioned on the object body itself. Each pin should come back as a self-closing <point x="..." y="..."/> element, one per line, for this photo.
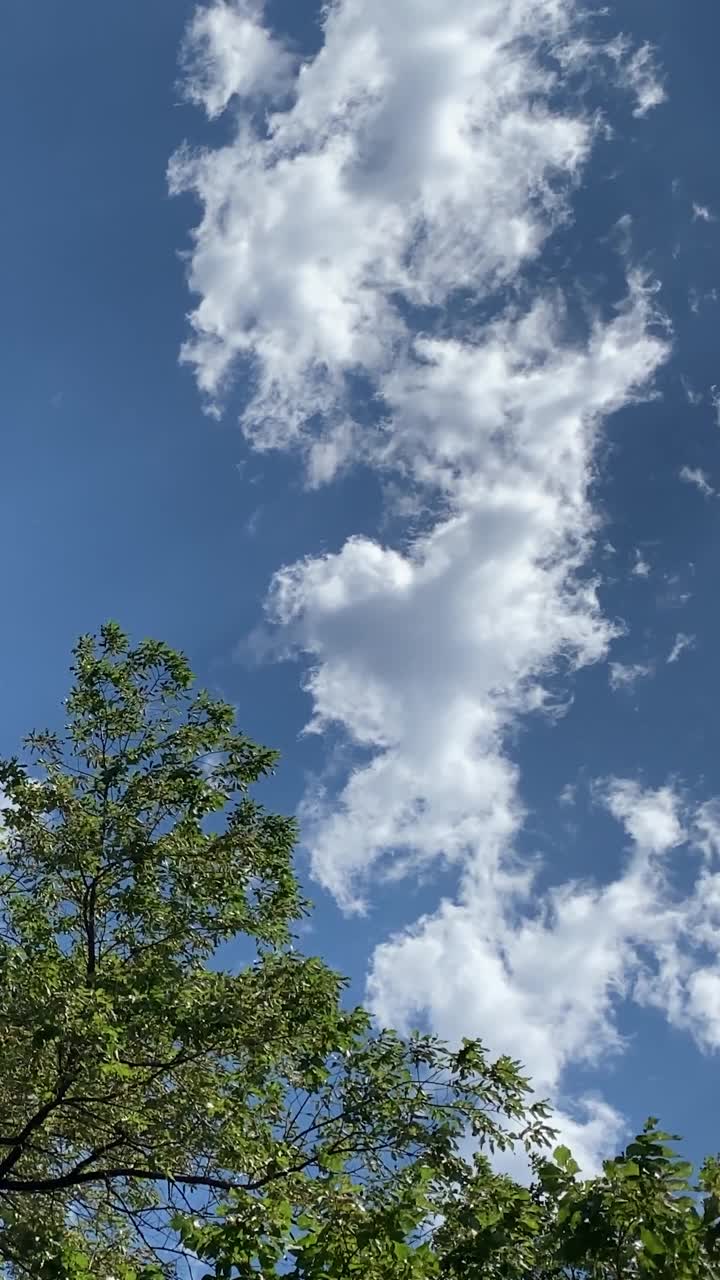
<point x="641" y="567"/>
<point x="699" y="478"/>
<point x="680" y="644"/>
<point x="418" y="157"/>
<point x="625" y="675"/>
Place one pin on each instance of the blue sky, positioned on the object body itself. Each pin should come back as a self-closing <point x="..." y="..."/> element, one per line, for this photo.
<point x="409" y="387"/>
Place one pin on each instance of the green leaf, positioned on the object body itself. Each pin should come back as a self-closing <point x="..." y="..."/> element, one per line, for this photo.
<point x="650" y="1241"/>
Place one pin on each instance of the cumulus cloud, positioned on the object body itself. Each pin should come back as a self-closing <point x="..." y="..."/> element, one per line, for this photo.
<point x="543" y="976"/>
<point x="681" y="974"/>
<point x="421" y="154"/>
<point x="228" y="53"/>
<point x="650" y="818"/>
<point x="678" y="970"/>
<point x="416" y="164"/>
<point x="547" y="981"/>
<point x="547" y="977"/>
<point x="594" y="1129"/>
<point x="426" y="654"/>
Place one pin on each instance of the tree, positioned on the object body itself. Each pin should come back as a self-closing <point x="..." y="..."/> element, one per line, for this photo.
<point x="141" y="1084"/>
<point x="640" y="1218"/>
<point x="161" y="1115"/>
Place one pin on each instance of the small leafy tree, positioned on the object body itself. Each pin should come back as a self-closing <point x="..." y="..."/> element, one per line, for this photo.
<point x="163" y="1116"/>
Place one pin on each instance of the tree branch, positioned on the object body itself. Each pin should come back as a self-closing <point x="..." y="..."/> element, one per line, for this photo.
<point x="81" y="1175"/>
<point x="35" y="1122"/>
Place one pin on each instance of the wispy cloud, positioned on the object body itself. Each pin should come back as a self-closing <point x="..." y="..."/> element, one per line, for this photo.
<point x="641" y="567"/>
<point x="698" y="297"/>
<point x="680" y="644"/>
<point x="638" y="71"/>
<point x="644" y="77"/>
<point x="625" y="675"/>
<point x="693" y="396"/>
<point x="568" y="795"/>
<point x="698" y="477"/>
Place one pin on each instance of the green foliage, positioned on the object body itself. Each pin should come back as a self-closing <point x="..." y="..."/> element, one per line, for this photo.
<point x="642" y="1217"/>
<point x="161" y="1116"/>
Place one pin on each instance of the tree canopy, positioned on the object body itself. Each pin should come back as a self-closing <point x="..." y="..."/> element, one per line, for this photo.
<point x="163" y="1114"/>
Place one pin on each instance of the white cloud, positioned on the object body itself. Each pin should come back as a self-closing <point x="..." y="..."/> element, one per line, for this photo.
<point x="682" y="978"/>
<point x="635" y="71"/>
<point x="701" y="213"/>
<point x="697" y="297"/>
<point x="694" y="397"/>
<point x="425" y="655"/>
<point x="419" y="154"/>
<point x="650" y="818"/>
<point x="588" y="1125"/>
<point x="698" y="477"/>
<point x="595" y="1130"/>
<point x="706" y="829"/>
<point x="542" y="983"/>
<point x="672" y="958"/>
<point x="680" y="643"/>
<point x="547" y="983"/>
<point x="639" y="72"/>
<point x="642" y="76"/>
<point x="228" y="53"/>
<point x="641" y="568"/>
<point x="625" y="675"/>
